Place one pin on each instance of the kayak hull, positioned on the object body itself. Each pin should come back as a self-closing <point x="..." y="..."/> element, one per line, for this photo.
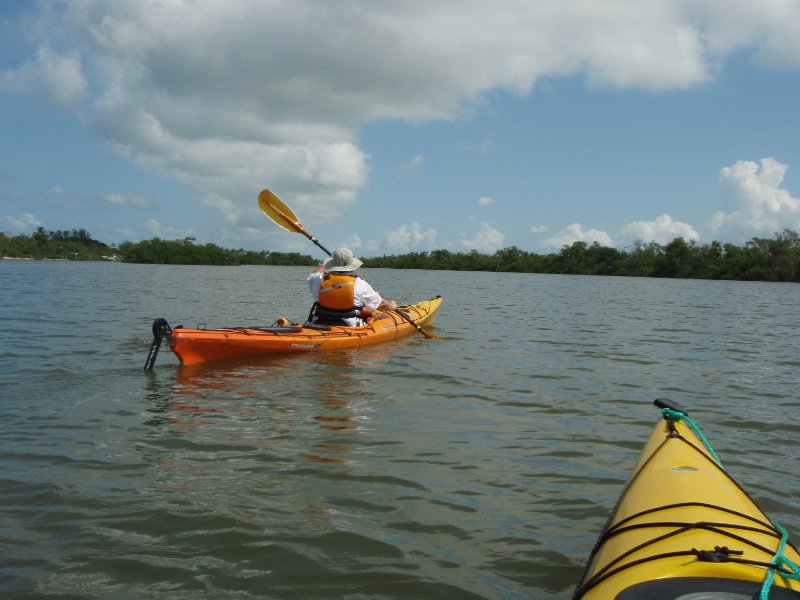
<point x="193" y="346"/>
<point x="679" y="512"/>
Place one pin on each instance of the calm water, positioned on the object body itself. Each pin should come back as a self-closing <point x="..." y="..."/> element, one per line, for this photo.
<point x="479" y="465"/>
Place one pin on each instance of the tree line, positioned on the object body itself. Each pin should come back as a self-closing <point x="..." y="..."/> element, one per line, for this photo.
<point x="186" y="252"/>
<point x="75" y="244"/>
<point x="79" y="245"/>
<point x="760" y="259"/>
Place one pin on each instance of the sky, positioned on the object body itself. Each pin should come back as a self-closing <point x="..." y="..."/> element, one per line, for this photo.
<point x="399" y="126"/>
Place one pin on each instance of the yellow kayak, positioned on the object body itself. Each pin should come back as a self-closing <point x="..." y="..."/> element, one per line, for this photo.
<point x="683" y="529"/>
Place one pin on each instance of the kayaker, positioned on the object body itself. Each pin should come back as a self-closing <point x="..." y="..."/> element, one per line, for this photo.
<point x="340" y="296"/>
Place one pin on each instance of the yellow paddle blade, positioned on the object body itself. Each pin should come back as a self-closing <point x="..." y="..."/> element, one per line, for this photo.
<point x="283" y="216"/>
<point x="276" y="210"/>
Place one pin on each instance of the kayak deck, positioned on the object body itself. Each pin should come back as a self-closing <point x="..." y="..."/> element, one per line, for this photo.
<point x="193" y="346"/>
<point x="683" y="526"/>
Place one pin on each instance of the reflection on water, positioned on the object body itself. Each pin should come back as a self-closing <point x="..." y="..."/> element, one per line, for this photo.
<point x="259" y="416"/>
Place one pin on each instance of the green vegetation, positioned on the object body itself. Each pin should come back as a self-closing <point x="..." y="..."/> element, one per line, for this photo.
<point x="760" y="259"/>
<point x="78" y="245"/>
<point x="64" y="245"/>
<point x="186" y="252"/>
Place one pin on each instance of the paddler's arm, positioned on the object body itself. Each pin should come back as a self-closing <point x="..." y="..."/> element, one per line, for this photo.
<point x="387" y="304"/>
<point x="373" y="301"/>
<point x="377" y="313"/>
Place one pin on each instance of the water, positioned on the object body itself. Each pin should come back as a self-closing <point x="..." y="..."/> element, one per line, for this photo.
<point x="479" y="465"/>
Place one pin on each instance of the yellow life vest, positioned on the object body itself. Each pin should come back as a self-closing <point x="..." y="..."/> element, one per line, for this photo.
<point x="337" y="291"/>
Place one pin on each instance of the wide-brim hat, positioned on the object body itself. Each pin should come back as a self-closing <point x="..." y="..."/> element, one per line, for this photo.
<point x="342" y="259"/>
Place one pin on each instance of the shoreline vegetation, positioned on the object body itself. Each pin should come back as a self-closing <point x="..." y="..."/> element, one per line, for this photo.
<point x="760" y="259"/>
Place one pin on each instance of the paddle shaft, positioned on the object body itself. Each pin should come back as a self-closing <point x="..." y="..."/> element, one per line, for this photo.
<point x="298" y="227"/>
<point x="430" y="336"/>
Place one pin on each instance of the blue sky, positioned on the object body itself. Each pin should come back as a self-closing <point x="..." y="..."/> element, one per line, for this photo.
<point x="402" y="126"/>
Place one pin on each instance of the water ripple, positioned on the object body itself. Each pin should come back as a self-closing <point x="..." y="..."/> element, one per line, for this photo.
<point x="481" y="465"/>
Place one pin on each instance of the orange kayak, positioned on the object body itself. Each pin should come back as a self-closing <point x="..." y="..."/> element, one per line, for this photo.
<point x="193" y="346"/>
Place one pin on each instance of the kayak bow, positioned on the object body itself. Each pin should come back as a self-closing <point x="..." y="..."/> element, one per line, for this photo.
<point x="684" y="529"/>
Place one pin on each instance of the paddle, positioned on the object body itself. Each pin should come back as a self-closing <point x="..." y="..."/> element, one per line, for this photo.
<point x="283" y="217"/>
<point x="427" y="334"/>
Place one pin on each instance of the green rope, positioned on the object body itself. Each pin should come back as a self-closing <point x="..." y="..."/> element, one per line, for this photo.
<point x="778" y="560"/>
<point x="675" y="415"/>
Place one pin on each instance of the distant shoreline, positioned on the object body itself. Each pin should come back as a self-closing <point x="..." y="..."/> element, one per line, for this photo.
<point x="760" y="259"/>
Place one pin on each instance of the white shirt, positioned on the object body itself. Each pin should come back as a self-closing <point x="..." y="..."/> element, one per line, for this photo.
<point x="363" y="295"/>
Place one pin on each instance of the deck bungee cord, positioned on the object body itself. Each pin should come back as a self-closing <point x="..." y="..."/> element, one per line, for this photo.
<point x="780" y="563"/>
<point x="671" y="466"/>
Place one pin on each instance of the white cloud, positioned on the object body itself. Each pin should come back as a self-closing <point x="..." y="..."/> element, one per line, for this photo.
<point x="769" y="27"/>
<point x="487" y="240"/>
<point x="536" y="229"/>
<point x="205" y="97"/>
<point x="575" y="233"/>
<point x="229" y="210"/>
<point x="354" y="242"/>
<point x="122" y="200"/>
<point x="370" y="247"/>
<point x="485" y="200"/>
<point x="155" y="228"/>
<point x="58" y="78"/>
<point x="402" y="239"/>
<point x="24" y="223"/>
<point x="662" y="230"/>
<point x="754" y="202"/>
<point x="410" y="167"/>
<point x="363" y="247"/>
